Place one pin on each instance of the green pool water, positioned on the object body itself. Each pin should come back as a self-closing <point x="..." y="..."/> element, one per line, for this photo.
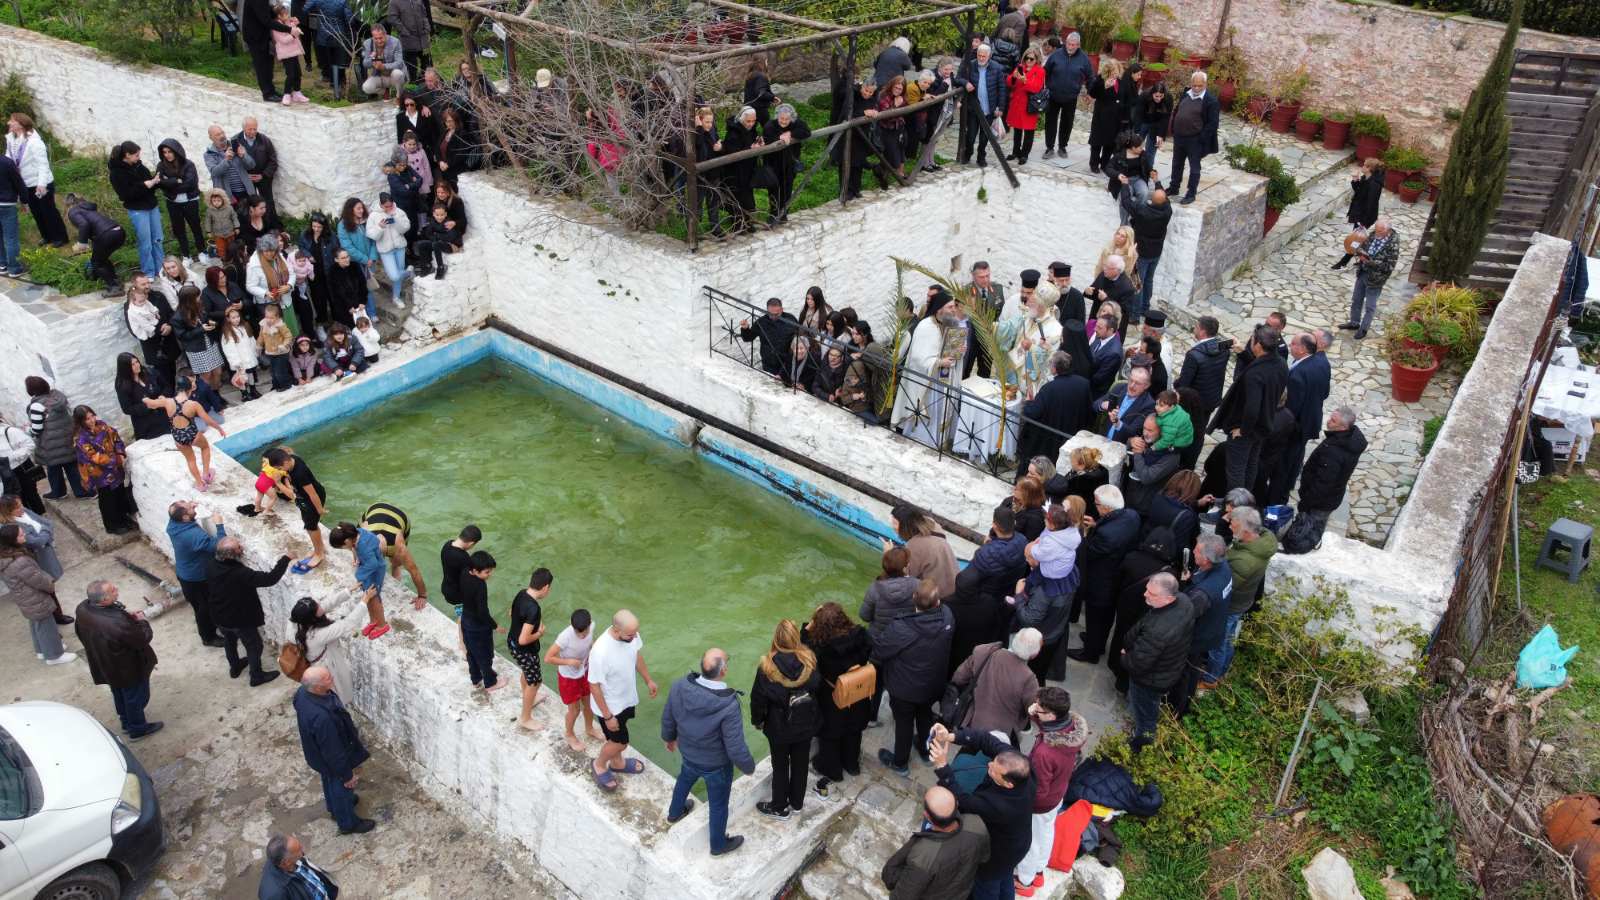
<point x="624" y="519"/>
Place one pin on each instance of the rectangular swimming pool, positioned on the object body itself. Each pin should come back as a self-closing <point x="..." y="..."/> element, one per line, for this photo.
<point x="623" y="517"/>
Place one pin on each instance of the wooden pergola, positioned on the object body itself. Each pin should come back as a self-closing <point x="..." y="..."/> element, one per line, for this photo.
<point x="712" y="41"/>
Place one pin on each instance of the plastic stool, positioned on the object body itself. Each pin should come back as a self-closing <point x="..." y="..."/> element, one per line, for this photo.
<point x="1572" y="537"/>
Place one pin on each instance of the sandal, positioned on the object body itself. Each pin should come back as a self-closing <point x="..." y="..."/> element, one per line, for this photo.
<point x="631" y="767"/>
<point x="301" y="567"/>
<point x="367" y="629"/>
<point x="378" y="632"/>
<point x="606" y="780"/>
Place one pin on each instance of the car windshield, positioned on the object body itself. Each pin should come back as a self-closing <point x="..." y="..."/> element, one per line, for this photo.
<point x="17" y="781"/>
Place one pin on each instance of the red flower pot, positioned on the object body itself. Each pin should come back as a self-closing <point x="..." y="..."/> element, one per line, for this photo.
<point x="1151" y="77"/>
<point x="1123" y="50"/>
<point x="1152" y="49"/>
<point x="1094" y="62"/>
<point x="1226" y="91"/>
<point x="1406" y="384"/>
<point x="1409" y="195"/>
<point x="1392" y="179"/>
<point x="1283" y="116"/>
<point x="1335" y="133"/>
<point x="1306" y="131"/>
<point x="1368" y="146"/>
<point x="1198" y="61"/>
<point x="1258" y="107"/>
<point x="1271" y="220"/>
<point x="1439" y="353"/>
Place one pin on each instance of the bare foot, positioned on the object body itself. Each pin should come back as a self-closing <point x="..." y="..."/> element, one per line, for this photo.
<point x="575" y="742"/>
<point x="498" y="685"/>
<point x="315" y="561"/>
<point x="528" y="725"/>
<point x="594" y="734"/>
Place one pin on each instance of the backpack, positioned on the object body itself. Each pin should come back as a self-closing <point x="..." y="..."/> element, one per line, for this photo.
<point x="956" y="706"/>
<point x="854" y="686"/>
<point x="800" y="712"/>
<point x="292" y="661"/>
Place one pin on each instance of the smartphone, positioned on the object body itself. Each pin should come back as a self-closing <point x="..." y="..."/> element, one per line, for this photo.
<point x="1186" y="559"/>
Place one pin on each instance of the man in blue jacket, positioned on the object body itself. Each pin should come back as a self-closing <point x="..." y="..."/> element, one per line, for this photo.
<point x="1066" y="71"/>
<point x="983" y="83"/>
<point x="12" y="195"/>
<point x="192" y="549"/>
<point x="332" y="746"/>
<point x="1310" y="378"/>
<point x="702" y="720"/>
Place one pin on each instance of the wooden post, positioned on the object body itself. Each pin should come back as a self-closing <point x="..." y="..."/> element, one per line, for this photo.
<point x="850" y="91"/>
<point x="691" y="171"/>
<point x="468" y="42"/>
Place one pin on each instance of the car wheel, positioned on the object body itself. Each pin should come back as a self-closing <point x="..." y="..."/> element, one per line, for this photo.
<point x="95" y="881"/>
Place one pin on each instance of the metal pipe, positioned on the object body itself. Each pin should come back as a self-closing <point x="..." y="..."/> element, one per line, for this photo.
<point x="778" y="16"/>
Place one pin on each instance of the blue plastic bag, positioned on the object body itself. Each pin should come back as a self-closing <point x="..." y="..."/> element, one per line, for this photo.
<point x="1542" y="663"/>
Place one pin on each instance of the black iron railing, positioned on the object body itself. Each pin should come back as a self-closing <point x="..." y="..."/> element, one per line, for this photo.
<point x="979" y="431"/>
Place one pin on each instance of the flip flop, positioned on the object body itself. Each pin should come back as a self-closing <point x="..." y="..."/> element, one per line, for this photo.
<point x="606" y="780"/>
<point x="301" y="567"/>
<point x="631" y="767"/>
<point x="378" y="632"/>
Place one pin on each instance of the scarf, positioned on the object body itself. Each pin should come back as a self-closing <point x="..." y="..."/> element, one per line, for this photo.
<point x="275" y="271"/>
<point x="143" y="319"/>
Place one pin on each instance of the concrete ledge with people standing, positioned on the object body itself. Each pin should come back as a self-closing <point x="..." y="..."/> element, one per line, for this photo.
<point x="90" y="100"/>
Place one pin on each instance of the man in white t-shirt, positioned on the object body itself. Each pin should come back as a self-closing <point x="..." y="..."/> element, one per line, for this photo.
<point x="614" y="694"/>
<point x="570" y="655"/>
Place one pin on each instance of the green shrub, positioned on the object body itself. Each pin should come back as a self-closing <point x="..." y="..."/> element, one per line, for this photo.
<point x="1365" y="125"/>
<point x="822" y="102"/>
<point x="1126" y="34"/>
<point x="1405" y="159"/>
<point x="1430" y="433"/>
<point x="1282" y="190"/>
<point x="16" y="96"/>
<point x="1312" y="116"/>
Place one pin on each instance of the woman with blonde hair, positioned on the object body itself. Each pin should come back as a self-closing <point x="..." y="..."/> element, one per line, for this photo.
<point x="1112" y="102"/>
<point x="1079" y="478"/>
<point x="1122" y="244"/>
<point x="784" y="705"/>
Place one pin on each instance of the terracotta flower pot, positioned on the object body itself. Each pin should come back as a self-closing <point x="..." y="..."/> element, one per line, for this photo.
<point x="1335" y="133"/>
<point x="1306" y="131"/>
<point x="1409" y="195"/>
<point x="1198" y="61"/>
<point x="1407" y="384"/>
<point x="1123" y="50"/>
<point x="1283" y="116"/>
<point x="1271" y="220"/>
<point x="1257" y="107"/>
<point x="1152" y="49"/>
<point x="1393" y="178"/>
<point x="1368" y="146"/>
<point x="1226" y="91"/>
<point x="1439" y="352"/>
<point x="1094" y="62"/>
<point x="1151" y="77"/>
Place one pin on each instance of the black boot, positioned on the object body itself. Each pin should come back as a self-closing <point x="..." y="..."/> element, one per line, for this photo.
<point x="438" y="274"/>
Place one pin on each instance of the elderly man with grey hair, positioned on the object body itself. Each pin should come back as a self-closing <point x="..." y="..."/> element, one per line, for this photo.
<point x="1114" y="284"/>
<point x="1248" y="556"/>
<point x="1003" y="685"/>
<point x="1326" y="476"/>
<point x="1156" y="653"/>
<point x="893" y="61"/>
<point x="383" y="59"/>
<point x="1066" y="72"/>
<point x="288" y="875"/>
<point x="702" y="721"/>
<point x="1378" y="253"/>
<point x="116" y="644"/>
<point x="1196" y="115"/>
<point x="236" y="606"/>
<point x="983" y="82"/>
<point x="332" y="747"/>
<point x="1208" y="583"/>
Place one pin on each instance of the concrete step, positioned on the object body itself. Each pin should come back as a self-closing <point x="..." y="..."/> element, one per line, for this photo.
<point x="82" y="518"/>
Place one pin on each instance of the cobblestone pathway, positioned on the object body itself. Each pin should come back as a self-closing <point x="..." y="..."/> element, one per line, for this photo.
<point x="1298" y="280"/>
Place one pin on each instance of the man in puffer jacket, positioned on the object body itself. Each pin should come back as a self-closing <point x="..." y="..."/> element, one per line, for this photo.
<point x="1157" y="651"/>
<point x="702" y="719"/>
<point x="913" y="652"/>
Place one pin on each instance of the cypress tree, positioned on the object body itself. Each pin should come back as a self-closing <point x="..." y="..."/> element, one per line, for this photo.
<point x="1475" y="174"/>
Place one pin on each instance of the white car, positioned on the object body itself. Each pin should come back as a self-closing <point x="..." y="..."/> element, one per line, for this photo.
<point x="78" y="814"/>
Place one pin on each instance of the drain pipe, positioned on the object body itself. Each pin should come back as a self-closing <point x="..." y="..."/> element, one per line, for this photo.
<point x="744" y="434"/>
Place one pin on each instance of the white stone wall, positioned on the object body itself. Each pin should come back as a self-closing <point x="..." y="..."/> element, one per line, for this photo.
<point x="73" y="343"/>
<point x="91" y="101"/>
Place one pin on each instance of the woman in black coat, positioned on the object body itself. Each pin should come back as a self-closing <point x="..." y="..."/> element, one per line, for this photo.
<point x="411" y="115"/>
<point x="1366" y="190"/>
<point x="1174" y="509"/>
<point x="221" y="295"/>
<point x="148" y="317"/>
<point x="1153" y="555"/>
<point x="1113" y="96"/>
<point x="758" y="90"/>
<point x="784" y="705"/>
<point x="1152" y="117"/>
<point x="861" y="101"/>
<point x="742" y="133"/>
<point x="181" y="185"/>
<point x="134" y="385"/>
<point x="840" y="645"/>
<point x="785" y="164"/>
<point x="347" y="288"/>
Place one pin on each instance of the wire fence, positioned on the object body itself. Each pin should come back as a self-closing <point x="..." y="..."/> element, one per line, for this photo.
<point x="1579" y="18"/>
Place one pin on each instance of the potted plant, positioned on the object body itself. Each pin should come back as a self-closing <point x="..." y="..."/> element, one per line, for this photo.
<point x="1410" y="370"/>
<point x="1043" y="22"/>
<point x="1335" y="130"/>
<point x="1095" y="19"/>
<point x="1450" y="318"/>
<point x="1305" y="127"/>
<point x="1153" y="48"/>
<point x="1290" y="94"/>
<point x="1227" y="72"/>
<point x="1196" y="61"/>
<point x="1153" y="74"/>
<point x="1437" y="336"/>
<point x="1411" y="190"/>
<point x="1257" y="105"/>
<point x="1401" y="164"/>
<point x="1372" y="135"/>
<point x="1124" y="41"/>
<point x="1282" y="191"/>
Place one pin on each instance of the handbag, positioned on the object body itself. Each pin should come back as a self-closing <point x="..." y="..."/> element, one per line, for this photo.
<point x="854" y="686"/>
<point x="292" y="661"/>
<point x="1038" y="101"/>
<point x="956" y="704"/>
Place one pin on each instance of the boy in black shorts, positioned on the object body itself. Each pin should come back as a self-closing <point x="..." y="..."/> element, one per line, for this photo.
<point x="310" y="498"/>
<point x="527" y="627"/>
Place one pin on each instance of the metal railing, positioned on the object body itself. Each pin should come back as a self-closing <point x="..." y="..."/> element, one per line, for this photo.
<point x="956" y="423"/>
